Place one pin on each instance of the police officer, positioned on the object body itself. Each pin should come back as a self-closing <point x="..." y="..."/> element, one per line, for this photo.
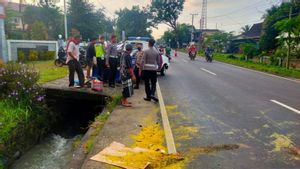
<point x="100" y="56"/>
<point x="112" y="60"/>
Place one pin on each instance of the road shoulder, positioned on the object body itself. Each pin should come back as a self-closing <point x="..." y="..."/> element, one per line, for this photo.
<point x="121" y="125"/>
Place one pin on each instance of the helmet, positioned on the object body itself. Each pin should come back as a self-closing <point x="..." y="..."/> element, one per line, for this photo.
<point x="128" y="47"/>
<point x="59" y="36"/>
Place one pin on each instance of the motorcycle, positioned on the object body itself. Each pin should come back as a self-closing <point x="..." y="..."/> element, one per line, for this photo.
<point x="192" y="55"/>
<point x="62" y="57"/>
<point x="209" y="57"/>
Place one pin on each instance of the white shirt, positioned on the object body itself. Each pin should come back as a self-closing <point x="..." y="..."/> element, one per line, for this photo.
<point x="74" y="49"/>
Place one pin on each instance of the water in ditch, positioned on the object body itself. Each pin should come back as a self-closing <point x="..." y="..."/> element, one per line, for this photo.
<point x="53" y="153"/>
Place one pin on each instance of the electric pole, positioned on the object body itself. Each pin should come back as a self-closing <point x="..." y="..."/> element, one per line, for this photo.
<point x="192" y="33"/>
<point x="65" y="20"/>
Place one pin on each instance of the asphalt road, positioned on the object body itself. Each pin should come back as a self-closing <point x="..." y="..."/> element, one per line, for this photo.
<point x="218" y="104"/>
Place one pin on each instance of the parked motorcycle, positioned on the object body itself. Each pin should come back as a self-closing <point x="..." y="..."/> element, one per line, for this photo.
<point x="62" y="57"/>
<point x="192" y="55"/>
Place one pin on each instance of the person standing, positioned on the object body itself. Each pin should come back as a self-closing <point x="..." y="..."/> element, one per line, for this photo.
<point x="127" y="75"/>
<point x="90" y="54"/>
<point x="73" y="61"/>
<point x="112" y="60"/>
<point x="100" y="55"/>
<point x="138" y="62"/>
<point x="150" y="64"/>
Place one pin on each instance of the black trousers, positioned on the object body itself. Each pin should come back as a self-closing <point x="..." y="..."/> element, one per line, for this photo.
<point x="100" y="68"/>
<point x="137" y="75"/>
<point x="74" y="66"/>
<point x="150" y="78"/>
<point x="113" y="63"/>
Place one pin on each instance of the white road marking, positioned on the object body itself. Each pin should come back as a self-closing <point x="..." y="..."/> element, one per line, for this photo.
<point x="292" y="80"/>
<point x="166" y="124"/>
<point x="205" y="70"/>
<point x="286" y="106"/>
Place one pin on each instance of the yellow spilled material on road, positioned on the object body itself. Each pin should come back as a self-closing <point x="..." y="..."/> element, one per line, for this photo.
<point x="281" y="142"/>
<point x="148" y="151"/>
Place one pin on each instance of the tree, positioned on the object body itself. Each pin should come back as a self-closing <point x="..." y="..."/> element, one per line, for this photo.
<point x="246" y="29"/>
<point x="268" y="41"/>
<point x="183" y="35"/>
<point x="166" y="11"/>
<point x="83" y="17"/>
<point x="10" y="30"/>
<point x="133" y="21"/>
<point x="47" y="13"/>
<point x="219" y="41"/>
<point x="290" y="27"/>
<point x="38" y="31"/>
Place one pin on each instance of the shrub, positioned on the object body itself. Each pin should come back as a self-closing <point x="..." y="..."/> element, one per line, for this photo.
<point x="18" y="83"/>
<point x="33" y="55"/>
<point x="250" y="50"/>
<point x="21" y="56"/>
<point x="47" y="55"/>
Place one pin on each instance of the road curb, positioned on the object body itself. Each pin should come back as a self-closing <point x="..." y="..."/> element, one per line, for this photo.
<point x="166" y="124"/>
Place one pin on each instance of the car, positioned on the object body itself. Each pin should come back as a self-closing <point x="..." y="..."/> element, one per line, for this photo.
<point x="164" y="59"/>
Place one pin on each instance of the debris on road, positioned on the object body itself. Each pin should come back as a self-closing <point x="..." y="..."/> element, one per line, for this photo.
<point x="148" y="151"/>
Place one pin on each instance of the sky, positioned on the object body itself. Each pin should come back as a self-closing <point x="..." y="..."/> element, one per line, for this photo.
<point x="227" y="15"/>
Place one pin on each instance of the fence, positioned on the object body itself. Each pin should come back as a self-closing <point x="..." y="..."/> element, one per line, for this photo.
<point x="15" y="46"/>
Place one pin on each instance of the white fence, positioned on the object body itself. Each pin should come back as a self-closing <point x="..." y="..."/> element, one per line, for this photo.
<point x="13" y="46"/>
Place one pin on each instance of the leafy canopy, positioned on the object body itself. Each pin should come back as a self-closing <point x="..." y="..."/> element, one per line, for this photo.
<point x="166" y="11"/>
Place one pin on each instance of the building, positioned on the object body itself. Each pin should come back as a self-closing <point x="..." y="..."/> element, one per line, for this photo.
<point x="253" y="34"/>
<point x="17" y="19"/>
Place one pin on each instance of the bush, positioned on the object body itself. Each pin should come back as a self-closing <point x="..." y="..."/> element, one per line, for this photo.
<point x="33" y="55"/>
<point x="47" y="55"/>
<point x="24" y="116"/>
<point x="18" y="83"/>
<point x="250" y="50"/>
<point x="21" y="56"/>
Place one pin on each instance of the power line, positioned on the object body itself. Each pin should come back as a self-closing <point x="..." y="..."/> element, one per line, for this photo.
<point x="218" y="16"/>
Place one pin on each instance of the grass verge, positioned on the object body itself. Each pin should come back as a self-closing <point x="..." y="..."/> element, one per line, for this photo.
<point x="281" y="71"/>
<point x="48" y="71"/>
<point x="98" y="124"/>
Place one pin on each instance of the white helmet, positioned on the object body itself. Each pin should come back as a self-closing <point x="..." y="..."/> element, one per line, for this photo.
<point x="59" y="36"/>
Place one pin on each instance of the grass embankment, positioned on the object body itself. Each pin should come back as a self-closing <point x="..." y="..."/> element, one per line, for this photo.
<point x="48" y="71"/>
<point x="98" y="124"/>
<point x="281" y="71"/>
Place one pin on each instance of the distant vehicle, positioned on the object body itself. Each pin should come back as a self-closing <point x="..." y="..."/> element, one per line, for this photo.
<point x="62" y="57"/>
<point x="144" y="41"/>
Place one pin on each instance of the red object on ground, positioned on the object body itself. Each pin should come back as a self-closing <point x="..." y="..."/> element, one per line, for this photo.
<point x="97" y="85"/>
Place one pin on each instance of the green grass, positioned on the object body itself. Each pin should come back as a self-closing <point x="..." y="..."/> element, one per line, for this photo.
<point x="281" y="71"/>
<point x="48" y="71"/>
<point x="10" y="116"/>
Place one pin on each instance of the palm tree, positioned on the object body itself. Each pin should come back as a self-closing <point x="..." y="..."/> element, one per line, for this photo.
<point x="245" y="29"/>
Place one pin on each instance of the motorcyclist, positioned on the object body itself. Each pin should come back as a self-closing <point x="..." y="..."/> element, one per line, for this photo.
<point x="168" y="52"/>
<point x="192" y="48"/>
<point x="208" y="52"/>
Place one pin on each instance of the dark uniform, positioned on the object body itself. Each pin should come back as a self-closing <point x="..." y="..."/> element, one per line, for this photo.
<point x="112" y="56"/>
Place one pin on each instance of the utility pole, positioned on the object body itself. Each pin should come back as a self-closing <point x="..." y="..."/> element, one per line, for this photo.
<point x="192" y="33"/>
<point x="289" y="35"/>
<point x="65" y="20"/>
<point x="3" y="53"/>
